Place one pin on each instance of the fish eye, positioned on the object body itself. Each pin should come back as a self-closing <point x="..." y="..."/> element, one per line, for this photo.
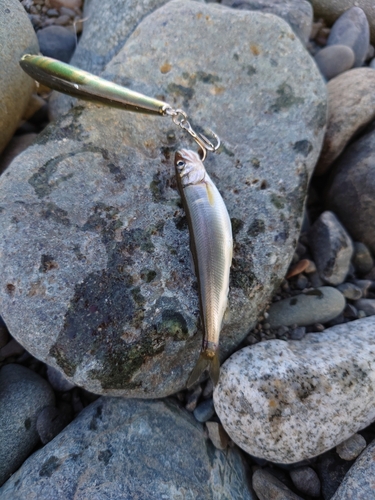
<point x="180" y="163"/>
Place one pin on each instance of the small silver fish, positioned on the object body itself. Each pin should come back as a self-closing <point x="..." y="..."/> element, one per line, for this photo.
<point x="211" y="244"/>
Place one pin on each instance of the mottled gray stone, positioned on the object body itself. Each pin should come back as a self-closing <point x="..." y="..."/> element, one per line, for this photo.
<point x="306" y="480"/>
<point x="330" y="10"/>
<point x="366" y="305"/>
<point x="291" y="401"/>
<point x="351" y="106"/>
<point x="267" y="487"/>
<point x="297" y="13"/>
<point x="128" y="449"/>
<point x="352" y="29"/>
<point x="358" y="483"/>
<point x="350" y="291"/>
<point x="23" y="394"/>
<point x="108" y="24"/>
<point x="351" y="188"/>
<point x="16" y="145"/>
<point x="316" y="306"/>
<point x="297" y="333"/>
<point x="362" y="259"/>
<point x="57" y="380"/>
<point x="57" y="42"/>
<point x="352" y="447"/>
<point x="334" y="60"/>
<point x="331" y="247"/>
<point x="95" y="247"/>
<point x="16" y="38"/>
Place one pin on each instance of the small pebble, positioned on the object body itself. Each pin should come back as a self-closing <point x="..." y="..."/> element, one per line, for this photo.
<point x="50" y="422"/>
<point x="350" y="312"/>
<point x="332" y="470"/>
<point x="370" y="52"/>
<point x="306" y="480"/>
<point x="301" y="249"/>
<point x="352" y="447"/>
<point x="311" y="268"/>
<point x="362" y="259"/>
<point x="361" y="314"/>
<point x="350" y="291"/>
<point x="366" y="305"/>
<point x="76" y="401"/>
<point x="372" y="64"/>
<point x="268" y="487"/>
<point x="217" y="434"/>
<point x="315" y="280"/>
<point x="352" y="29"/>
<point x="204" y="411"/>
<point x="192" y="399"/>
<point x="12" y="348"/>
<point x="62" y="20"/>
<point x="57" y="42"/>
<point x="365" y="286"/>
<point x="334" y="60"/>
<point x="208" y="389"/>
<point x="70" y="4"/>
<point x="57" y="380"/>
<point x="297" y="333"/>
<point x="301" y="282"/>
<point x="67" y="12"/>
<point x="298" y="268"/>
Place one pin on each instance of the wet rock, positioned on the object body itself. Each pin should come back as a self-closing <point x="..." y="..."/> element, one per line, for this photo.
<point x="351" y="188"/>
<point x="108" y="290"/>
<point x="358" y="483"/>
<point x="352" y="447"/>
<point x="298" y="14"/>
<point x="366" y="305"/>
<point x="16" y="38"/>
<point x="23" y="394"/>
<point x="267" y="486"/>
<point x="334" y="60"/>
<point x="331" y="247"/>
<point x="351" y="106"/>
<point x="352" y="29"/>
<point x="156" y="448"/>
<point x="350" y="291"/>
<point x="306" y="480"/>
<point x="316" y="306"/>
<point x="330" y="10"/>
<point x="57" y="42"/>
<point x="291" y="401"/>
<point x="362" y="259"/>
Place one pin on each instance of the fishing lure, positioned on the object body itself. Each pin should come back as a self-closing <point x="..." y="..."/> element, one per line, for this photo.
<point x="209" y="223"/>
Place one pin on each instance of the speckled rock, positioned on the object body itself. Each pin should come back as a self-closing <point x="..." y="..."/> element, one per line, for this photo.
<point x="358" y="483"/>
<point x="330" y="10"/>
<point x="23" y="394"/>
<point x="16" y="38"/>
<point x="107" y="288"/>
<point x="351" y="106"/>
<point x="128" y="449"/>
<point x="290" y="401"/>
<point x="350" y="192"/>
<point x="352" y="29"/>
<point x="297" y="13"/>
<point x="352" y="447"/>
<point x="267" y="487"/>
<point x="332" y="248"/>
<point x="306" y="480"/>
<point x="317" y="306"/>
<point x="334" y="60"/>
<point x="16" y="145"/>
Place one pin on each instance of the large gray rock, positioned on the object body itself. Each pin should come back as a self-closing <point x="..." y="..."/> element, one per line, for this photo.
<point x="290" y="401"/>
<point x="351" y="189"/>
<point x="95" y="247"/>
<point x="297" y="13"/>
<point x="358" y="483"/>
<point x="128" y="449"/>
<point x="23" y="395"/>
<point x="17" y="37"/>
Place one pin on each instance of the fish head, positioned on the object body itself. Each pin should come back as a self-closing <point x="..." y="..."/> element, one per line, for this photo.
<point x="189" y="167"/>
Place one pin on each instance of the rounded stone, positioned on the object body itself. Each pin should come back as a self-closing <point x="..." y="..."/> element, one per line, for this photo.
<point x="51" y="421"/>
<point x="366" y="305"/>
<point x="17" y="37"/>
<point x="289" y="401"/>
<point x="350" y="291"/>
<point x="334" y="60"/>
<point x="97" y="254"/>
<point x="352" y="447"/>
<point x="316" y="306"/>
<point x="267" y="486"/>
<point x="306" y="480"/>
<point x="127" y="449"/>
<point x="362" y="258"/>
<point x="351" y="188"/>
<point x="57" y="42"/>
<point x="351" y="98"/>
<point x="352" y="29"/>
<point x="204" y="411"/>
<point x="23" y="394"/>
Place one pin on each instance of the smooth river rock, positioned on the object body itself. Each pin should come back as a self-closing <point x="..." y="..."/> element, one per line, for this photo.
<point x="95" y="245"/>
<point x="290" y="401"/>
<point x="131" y="449"/>
<point x="16" y="38"/>
<point x="351" y="106"/>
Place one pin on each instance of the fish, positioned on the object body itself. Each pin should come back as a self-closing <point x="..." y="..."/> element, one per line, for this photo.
<point x="211" y="245"/>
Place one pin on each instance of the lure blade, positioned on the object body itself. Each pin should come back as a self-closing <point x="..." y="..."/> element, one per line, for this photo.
<point x="78" y="83"/>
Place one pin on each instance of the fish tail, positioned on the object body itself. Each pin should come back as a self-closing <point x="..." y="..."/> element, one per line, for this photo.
<point x="204" y="362"/>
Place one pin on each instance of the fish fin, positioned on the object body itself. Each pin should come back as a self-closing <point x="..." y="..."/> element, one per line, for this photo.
<point x="214" y="368"/>
<point x="204" y="363"/>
